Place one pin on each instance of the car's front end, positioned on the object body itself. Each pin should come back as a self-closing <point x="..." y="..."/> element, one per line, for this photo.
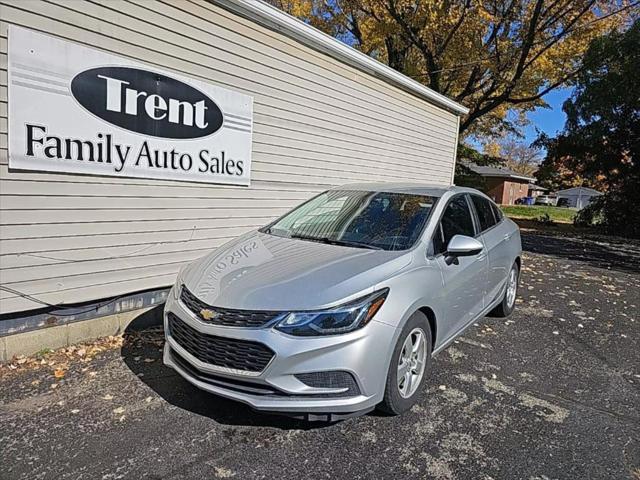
<point x="259" y="362"/>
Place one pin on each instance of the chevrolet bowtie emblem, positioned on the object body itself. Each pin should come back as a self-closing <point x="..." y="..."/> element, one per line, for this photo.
<point x="208" y="314"/>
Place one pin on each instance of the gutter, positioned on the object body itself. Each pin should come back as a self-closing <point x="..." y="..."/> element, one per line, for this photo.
<point x="277" y="20"/>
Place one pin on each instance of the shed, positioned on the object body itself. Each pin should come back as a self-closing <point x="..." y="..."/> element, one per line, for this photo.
<point x="258" y="112"/>
<point x="578" y="197"/>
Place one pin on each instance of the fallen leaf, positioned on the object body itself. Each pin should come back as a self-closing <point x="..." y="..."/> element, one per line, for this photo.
<point x="118" y="410"/>
<point x="58" y="373"/>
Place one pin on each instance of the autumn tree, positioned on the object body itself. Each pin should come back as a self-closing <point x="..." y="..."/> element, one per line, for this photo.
<point x="493" y="56"/>
<point x="515" y="154"/>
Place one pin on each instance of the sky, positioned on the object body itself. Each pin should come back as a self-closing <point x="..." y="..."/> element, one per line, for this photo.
<point x="547" y="120"/>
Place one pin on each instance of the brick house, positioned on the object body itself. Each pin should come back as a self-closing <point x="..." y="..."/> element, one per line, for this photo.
<point x="504" y="186"/>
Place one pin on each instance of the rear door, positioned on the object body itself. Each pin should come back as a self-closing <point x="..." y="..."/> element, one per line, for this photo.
<point x="493" y="233"/>
<point x="464" y="280"/>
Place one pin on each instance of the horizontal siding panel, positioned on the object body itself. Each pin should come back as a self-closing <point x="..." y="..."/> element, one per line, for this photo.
<point x="37" y="177"/>
<point x="82" y="243"/>
<point x="270" y="140"/>
<point x="102" y="287"/>
<point x="103" y="231"/>
<point x="24" y="217"/>
<point x="91" y="260"/>
<point x="81" y="189"/>
<point x="158" y="205"/>
<point x="67" y="238"/>
<point x="170" y="262"/>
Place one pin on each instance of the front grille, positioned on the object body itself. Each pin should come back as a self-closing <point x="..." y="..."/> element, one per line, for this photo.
<point x="252" y="388"/>
<point x="226" y="317"/>
<point x="220" y="351"/>
<point x="331" y="379"/>
<point x="235" y="384"/>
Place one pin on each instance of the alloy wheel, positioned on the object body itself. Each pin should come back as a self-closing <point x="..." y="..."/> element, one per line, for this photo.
<point x="412" y="362"/>
<point x="512" y="287"/>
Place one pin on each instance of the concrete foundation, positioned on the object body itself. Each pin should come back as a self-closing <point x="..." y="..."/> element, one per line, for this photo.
<point x="27" y="343"/>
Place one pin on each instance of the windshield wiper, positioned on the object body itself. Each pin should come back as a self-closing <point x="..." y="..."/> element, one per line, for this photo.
<point x="331" y="241"/>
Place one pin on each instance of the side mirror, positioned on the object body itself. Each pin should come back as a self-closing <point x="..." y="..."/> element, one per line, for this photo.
<point x="462" y="246"/>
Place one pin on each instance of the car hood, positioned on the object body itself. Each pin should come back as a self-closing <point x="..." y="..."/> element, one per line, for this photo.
<point x="259" y="271"/>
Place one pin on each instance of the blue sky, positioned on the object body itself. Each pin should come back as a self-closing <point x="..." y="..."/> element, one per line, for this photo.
<point x="548" y="120"/>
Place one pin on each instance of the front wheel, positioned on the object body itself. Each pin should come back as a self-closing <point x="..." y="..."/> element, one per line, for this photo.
<point x="506" y="307"/>
<point x="408" y="366"/>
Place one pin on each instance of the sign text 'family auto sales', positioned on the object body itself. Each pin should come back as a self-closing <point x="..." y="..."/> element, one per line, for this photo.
<point x="78" y="110"/>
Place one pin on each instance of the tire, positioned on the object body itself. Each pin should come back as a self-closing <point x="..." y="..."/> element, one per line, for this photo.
<point x="397" y="401"/>
<point x="508" y="304"/>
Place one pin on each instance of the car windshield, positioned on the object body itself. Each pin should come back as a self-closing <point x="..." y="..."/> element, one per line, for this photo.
<point x="376" y="220"/>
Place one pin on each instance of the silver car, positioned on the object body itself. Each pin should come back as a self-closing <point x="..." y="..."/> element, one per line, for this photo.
<point x="338" y="306"/>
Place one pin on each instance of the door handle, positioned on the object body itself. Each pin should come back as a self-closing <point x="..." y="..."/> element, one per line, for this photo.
<point x="508" y="236"/>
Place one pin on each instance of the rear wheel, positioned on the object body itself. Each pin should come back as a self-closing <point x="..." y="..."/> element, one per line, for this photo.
<point x="508" y="304"/>
<point x="408" y="367"/>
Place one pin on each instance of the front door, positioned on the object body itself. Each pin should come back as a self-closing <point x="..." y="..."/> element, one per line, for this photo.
<point x="465" y="279"/>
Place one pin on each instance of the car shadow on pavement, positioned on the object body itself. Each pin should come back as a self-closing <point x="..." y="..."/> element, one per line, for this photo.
<point x="610" y="253"/>
<point x="142" y="353"/>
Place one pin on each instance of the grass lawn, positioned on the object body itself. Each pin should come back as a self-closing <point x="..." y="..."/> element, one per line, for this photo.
<point x="535" y="212"/>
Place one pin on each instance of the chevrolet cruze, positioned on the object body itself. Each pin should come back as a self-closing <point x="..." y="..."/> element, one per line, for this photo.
<point x="337" y="307"/>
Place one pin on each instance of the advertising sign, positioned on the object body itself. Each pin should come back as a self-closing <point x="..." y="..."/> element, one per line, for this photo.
<point x="80" y="110"/>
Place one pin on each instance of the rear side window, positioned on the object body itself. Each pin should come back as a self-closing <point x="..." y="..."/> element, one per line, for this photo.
<point x="497" y="212"/>
<point x="484" y="211"/>
<point x="456" y="220"/>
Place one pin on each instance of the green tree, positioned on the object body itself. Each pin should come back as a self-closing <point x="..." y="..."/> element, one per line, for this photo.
<point x="600" y="143"/>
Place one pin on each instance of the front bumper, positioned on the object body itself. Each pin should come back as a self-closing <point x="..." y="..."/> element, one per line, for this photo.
<point x="364" y="354"/>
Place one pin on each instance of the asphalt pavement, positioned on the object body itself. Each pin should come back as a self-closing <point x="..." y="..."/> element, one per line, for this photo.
<point x="553" y="392"/>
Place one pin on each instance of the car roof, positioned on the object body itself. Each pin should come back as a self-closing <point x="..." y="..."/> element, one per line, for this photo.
<point x="407" y="187"/>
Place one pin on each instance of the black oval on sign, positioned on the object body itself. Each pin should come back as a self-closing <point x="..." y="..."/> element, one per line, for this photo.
<point x="146" y="102"/>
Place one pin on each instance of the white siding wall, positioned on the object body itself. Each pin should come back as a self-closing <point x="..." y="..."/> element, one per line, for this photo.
<point x="318" y="122"/>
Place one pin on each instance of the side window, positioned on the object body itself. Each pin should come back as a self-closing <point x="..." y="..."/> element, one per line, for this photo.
<point x="497" y="212"/>
<point x="456" y="220"/>
<point x="484" y="211"/>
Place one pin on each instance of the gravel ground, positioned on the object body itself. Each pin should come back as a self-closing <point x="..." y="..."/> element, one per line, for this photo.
<point x="551" y="392"/>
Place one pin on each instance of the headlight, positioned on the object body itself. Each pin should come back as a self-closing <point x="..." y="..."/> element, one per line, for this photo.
<point x="333" y="321"/>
